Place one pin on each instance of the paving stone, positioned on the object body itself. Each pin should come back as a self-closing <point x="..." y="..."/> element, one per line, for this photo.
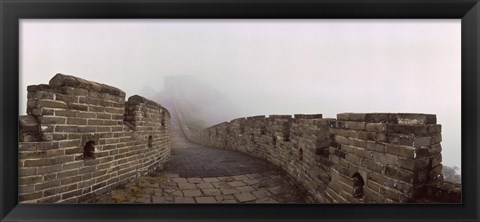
<point x="211" y="192"/>
<point x="149" y="190"/>
<point x="152" y="185"/>
<point x="228" y="201"/>
<point x="229" y="179"/>
<point x="275" y="190"/>
<point x="171" y="175"/>
<point x="185" y="186"/>
<point x="205" y="200"/>
<point x="177" y="193"/>
<point x="244" y="197"/>
<point x="263" y="193"/>
<point x="184" y="200"/>
<point x="245" y="189"/>
<point x="224" y="197"/>
<point x="192" y="193"/>
<point x="168" y="186"/>
<point x="266" y="200"/>
<point x="156" y="199"/>
<point x="236" y="184"/>
<point x="211" y="179"/>
<point x="255" y="176"/>
<point x="214" y="175"/>
<point x="195" y="180"/>
<point x="158" y="192"/>
<point x="180" y="180"/>
<point x="240" y="177"/>
<point x="204" y="185"/>
<point x="250" y="181"/>
<point x="144" y="200"/>
<point x="229" y="191"/>
<point x="168" y="191"/>
<point x="220" y="185"/>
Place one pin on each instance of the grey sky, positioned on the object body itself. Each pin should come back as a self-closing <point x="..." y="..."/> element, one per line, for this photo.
<point x="265" y="66"/>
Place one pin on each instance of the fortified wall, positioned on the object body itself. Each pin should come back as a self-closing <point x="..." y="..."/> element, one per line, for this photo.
<point x="81" y="138"/>
<point x="356" y="158"/>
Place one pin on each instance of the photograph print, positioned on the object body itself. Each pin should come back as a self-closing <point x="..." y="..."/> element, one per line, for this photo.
<point x="165" y="111"/>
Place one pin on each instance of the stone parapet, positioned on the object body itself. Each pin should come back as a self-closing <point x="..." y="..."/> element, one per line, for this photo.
<point x="80" y="139"/>
<point x="355" y="158"/>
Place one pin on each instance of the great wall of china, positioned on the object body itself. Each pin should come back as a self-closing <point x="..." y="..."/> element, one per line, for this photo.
<point x="81" y="139"/>
<point x="69" y="116"/>
<point x="358" y="157"/>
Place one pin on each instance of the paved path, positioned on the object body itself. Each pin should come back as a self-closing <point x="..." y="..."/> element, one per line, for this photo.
<point x="199" y="174"/>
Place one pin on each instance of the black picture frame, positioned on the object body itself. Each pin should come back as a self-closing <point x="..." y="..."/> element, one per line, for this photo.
<point x="466" y="10"/>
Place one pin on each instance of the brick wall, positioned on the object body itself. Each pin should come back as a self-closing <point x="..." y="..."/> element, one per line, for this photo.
<point x="358" y="157"/>
<point x="130" y="138"/>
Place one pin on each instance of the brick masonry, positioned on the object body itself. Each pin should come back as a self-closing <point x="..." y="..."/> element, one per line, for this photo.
<point x="355" y="158"/>
<point x="130" y="139"/>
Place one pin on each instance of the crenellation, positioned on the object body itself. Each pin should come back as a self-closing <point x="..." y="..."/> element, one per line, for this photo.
<point x="70" y="113"/>
<point x="356" y="158"/>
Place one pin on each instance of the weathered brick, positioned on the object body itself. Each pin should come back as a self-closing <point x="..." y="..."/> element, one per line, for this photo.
<point x="95" y="122"/>
<point x="422" y="141"/>
<point x="373" y="166"/>
<point x="374" y="146"/>
<point x="399" y="174"/>
<point x="66" y="113"/>
<point x="52" y="120"/>
<point x="67" y="173"/>
<point x="62" y="159"/>
<point x="432" y="129"/>
<point x="417" y="130"/>
<point x="67" y="98"/>
<point x="113" y="110"/>
<point x="400" y="139"/>
<point x="69" y="166"/>
<point x="51" y="104"/>
<point x="343" y="132"/>
<point x="72" y="179"/>
<point x="38" y="162"/>
<point x="76" y="150"/>
<point x="104" y="129"/>
<point x="437" y="138"/>
<point x="29" y="196"/>
<point x="104" y="116"/>
<point x="24" y="172"/>
<point x="40" y="95"/>
<point x="77" y="121"/>
<point x="86" y="129"/>
<point x="66" y="129"/>
<point x="93" y="108"/>
<point x="69" y="143"/>
<point x="51" y="199"/>
<point x="48" y="184"/>
<point x="403" y="151"/>
<point x="87" y="169"/>
<point x="86" y="100"/>
<point x="86" y="115"/>
<point x="32" y="154"/>
<point x="49" y="169"/>
<point x="29" y="180"/>
<point x="351" y="116"/>
<point x="385" y="158"/>
<point x="413" y="164"/>
<point x="59" y="136"/>
<point x="77" y="106"/>
<point x="71" y="194"/>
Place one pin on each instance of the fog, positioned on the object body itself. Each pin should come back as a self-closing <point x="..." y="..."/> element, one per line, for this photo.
<point x="260" y="67"/>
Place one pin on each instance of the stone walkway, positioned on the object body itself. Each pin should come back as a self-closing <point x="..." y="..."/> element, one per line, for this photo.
<point x="199" y="174"/>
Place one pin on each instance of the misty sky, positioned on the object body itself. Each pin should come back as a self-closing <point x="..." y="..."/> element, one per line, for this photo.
<point x="265" y="66"/>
